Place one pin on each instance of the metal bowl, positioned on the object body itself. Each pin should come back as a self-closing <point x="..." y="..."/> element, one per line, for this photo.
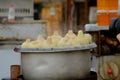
<point x="56" y="63"/>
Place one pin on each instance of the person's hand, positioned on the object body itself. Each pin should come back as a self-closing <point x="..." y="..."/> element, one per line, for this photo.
<point x="118" y="37"/>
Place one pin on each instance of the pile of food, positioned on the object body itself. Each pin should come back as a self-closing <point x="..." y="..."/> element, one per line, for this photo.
<point x="56" y="40"/>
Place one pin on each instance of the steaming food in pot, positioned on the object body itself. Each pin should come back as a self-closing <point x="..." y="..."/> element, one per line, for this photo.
<point x="56" y="40"/>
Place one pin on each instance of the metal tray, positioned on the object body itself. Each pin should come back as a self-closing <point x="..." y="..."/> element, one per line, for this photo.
<point x="58" y="49"/>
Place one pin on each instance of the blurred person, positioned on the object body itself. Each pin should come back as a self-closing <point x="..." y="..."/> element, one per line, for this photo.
<point x="114" y="28"/>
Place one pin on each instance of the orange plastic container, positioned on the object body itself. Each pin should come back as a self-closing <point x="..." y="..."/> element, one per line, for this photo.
<point x="102" y="18"/>
<point x="102" y="5"/>
<point x="107" y="4"/>
<point x="112" y="4"/>
<point x="106" y="9"/>
<point x="113" y="14"/>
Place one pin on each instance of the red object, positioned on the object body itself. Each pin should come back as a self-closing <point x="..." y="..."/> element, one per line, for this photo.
<point x="11" y="20"/>
<point x="109" y="71"/>
<point x="11" y="5"/>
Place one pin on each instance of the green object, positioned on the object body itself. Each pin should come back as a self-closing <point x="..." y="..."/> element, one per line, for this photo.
<point x="40" y="7"/>
<point x="44" y="4"/>
<point x="52" y="10"/>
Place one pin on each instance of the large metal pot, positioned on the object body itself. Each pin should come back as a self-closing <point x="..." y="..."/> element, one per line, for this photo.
<point x="56" y="63"/>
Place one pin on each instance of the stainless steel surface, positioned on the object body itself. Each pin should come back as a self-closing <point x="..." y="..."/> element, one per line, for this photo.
<point x="95" y="27"/>
<point x="55" y="64"/>
<point x="57" y="49"/>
